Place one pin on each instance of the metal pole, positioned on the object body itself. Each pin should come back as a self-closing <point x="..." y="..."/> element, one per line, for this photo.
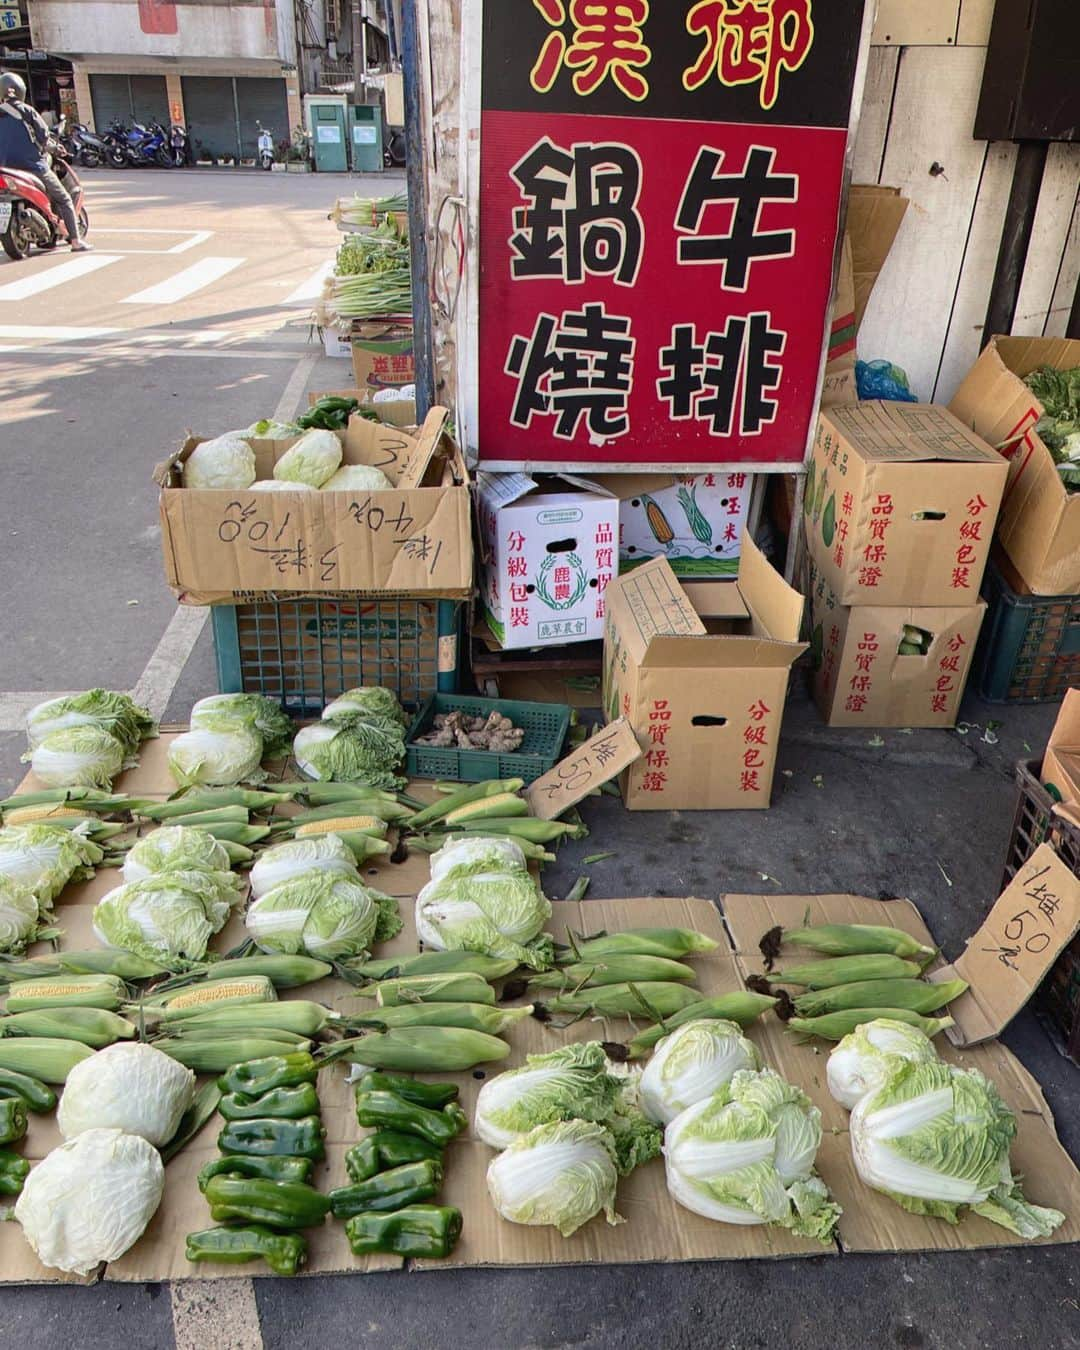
<point x="1015" y="237"/>
<point x="357" y="51"/>
<point x="417" y="154"/>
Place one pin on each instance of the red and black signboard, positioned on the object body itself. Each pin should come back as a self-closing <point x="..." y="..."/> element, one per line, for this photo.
<point x="659" y="193"/>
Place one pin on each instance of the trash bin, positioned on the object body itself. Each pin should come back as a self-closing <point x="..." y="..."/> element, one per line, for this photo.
<point x="365" y="125"/>
<point x="328" y="137"/>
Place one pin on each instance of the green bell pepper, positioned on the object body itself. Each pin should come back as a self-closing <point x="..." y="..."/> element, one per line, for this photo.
<point x="13" y="1172"/>
<point x="284" y="1253"/>
<point x="255" y="1076"/>
<point x="272" y="1168"/>
<point x="432" y="1095"/>
<point x="391" y="1190"/>
<point x="385" y="1149"/>
<point x="12" y="1120"/>
<point x="386" y="1110"/>
<point x="301" y="1138"/>
<point x="279" y="1204"/>
<point x="37" y="1096"/>
<point x="419" y="1230"/>
<point x="282" y="1103"/>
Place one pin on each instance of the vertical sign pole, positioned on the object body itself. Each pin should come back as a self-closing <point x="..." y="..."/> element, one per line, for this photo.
<point x="416" y="152"/>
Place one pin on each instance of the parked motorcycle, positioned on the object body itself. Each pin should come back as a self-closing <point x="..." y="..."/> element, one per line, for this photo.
<point x="179" y="145"/>
<point x="27" y="219"/>
<point x="115" y="140"/>
<point x="394" y="148"/>
<point x="266" y="147"/>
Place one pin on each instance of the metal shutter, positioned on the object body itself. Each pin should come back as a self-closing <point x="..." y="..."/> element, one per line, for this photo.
<point x="261" y="100"/>
<point x="211" y="114"/>
<point x="111" y="97"/>
<point x="149" y="101"/>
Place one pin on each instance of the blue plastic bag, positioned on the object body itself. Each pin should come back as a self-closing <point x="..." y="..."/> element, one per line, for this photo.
<point x="881" y="379"/>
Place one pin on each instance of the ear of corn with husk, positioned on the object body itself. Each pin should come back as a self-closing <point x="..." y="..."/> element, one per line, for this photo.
<point x="918" y="996"/>
<point x="301" y="1017"/>
<point x="470" y="1016"/>
<point x="846" y="970"/>
<point x="46" y="1058"/>
<point x="740" y="1006"/>
<point x="649" y="1001"/>
<point x="613" y="970"/>
<point x="454" y="986"/>
<point x="421" y="1049"/>
<point x="60" y="991"/>
<point x="218" y="1055"/>
<point x="836" y="1025"/>
<point x="847" y="939"/>
<point x="96" y="1027"/>
<point x="670" y="942"/>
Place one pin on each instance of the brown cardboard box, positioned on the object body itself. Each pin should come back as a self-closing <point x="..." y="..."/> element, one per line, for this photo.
<point x="382" y="353"/>
<point x="839" y="384"/>
<point x="1061" y="764"/>
<point x="414" y="540"/>
<point x="900" y="504"/>
<point x="861" y="679"/>
<point x="704" y="693"/>
<point x="1039" y="526"/>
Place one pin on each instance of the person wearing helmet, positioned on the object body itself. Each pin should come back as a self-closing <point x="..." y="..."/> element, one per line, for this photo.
<point x="23" y="141"/>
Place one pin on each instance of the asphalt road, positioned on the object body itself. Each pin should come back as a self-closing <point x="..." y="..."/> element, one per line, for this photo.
<point x="85" y="416"/>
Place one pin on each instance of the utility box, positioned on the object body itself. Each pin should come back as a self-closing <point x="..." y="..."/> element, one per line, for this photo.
<point x="326" y="122"/>
<point x="365" y="137"/>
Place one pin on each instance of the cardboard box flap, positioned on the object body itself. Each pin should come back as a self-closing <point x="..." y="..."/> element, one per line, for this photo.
<point x="425" y="447"/>
<point x="893" y="433"/>
<point x="1061" y="764"/>
<point x="624" y="486"/>
<point x="874" y="216"/>
<point x="1034" y="919"/>
<point x="655" y="605"/>
<point x="504" y="488"/>
<point x="719" y="652"/>
<point x="775" y="607"/>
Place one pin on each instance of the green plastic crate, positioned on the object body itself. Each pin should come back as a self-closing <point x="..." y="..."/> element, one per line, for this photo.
<point x="304" y="652"/>
<point x="1029" y="648"/>
<point x="545" y="726"/>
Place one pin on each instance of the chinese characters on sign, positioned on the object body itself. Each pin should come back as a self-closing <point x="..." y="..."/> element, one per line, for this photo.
<point x="659" y="194"/>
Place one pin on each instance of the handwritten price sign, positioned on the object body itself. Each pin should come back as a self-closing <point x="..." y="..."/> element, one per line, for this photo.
<point x="597" y="761"/>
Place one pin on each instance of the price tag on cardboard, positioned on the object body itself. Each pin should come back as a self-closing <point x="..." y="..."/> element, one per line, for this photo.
<point x="1036" y="916"/>
<point x="598" y="760"/>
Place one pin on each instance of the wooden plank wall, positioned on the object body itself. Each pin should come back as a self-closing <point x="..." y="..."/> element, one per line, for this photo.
<point x="922" y="87"/>
<point x="928" y="309"/>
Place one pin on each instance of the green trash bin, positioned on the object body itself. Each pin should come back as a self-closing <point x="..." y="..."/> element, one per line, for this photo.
<point x="365" y="136"/>
<point x="328" y="136"/>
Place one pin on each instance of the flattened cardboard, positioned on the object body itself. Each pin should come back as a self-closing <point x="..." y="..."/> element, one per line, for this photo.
<point x="874" y="216"/>
<point x="413" y="539"/>
<point x="871" y="1222"/>
<point x="903" y="503"/>
<point x="839" y="385"/>
<point x="599" y="760"/>
<point x="1032" y="922"/>
<point x="705" y="699"/>
<point x="1039" y="526"/>
<point x="861" y="678"/>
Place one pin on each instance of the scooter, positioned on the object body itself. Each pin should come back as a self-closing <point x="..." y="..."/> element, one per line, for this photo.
<point x="266" y="147"/>
<point x="394" y="148"/>
<point x="89" y="150"/>
<point x="179" y="145"/>
<point x="27" y="219"/>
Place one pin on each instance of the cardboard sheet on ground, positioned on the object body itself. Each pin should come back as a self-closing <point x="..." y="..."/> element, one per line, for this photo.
<point x="871" y="1222"/>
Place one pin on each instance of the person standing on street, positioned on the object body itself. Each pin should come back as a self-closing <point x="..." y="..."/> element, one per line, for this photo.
<point x="23" y="141"/>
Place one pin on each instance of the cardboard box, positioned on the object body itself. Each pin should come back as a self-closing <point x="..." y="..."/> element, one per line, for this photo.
<point x="336" y="344"/>
<point x="1061" y="763"/>
<point x="860" y="676"/>
<point x="1039" y="526"/>
<point x="398" y="412"/>
<point x="839" y="384"/>
<point x="413" y="540"/>
<point x="382" y="353"/>
<point x="703" y="692"/>
<point x="547" y="559"/>
<point x="900" y="504"/>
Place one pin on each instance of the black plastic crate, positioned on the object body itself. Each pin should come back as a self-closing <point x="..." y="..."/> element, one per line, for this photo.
<point x="1029" y="648"/>
<point x="1058" y="999"/>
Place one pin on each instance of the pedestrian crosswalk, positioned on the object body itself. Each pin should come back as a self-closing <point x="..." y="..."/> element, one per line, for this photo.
<point x="81" y="265"/>
<point x="185" y="283"/>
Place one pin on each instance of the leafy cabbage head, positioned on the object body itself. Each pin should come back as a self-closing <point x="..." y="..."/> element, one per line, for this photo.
<point x="358" y="478"/>
<point x="571" y="1082"/>
<point x="470" y="854"/>
<point x="217" y="753"/>
<point x="498" y="914"/>
<point x="322" y="914"/>
<point x="77" y="756"/>
<point x="18" y="914"/>
<point x="128" y="1086"/>
<point x="352" y="749"/>
<point x="175" y="848"/>
<point x="690" y="1064"/>
<point x="865" y="1058"/>
<point x="45" y="858"/>
<point x="112" y="712"/>
<point x="169" y="916"/>
<point x="561" y="1174"/>
<point x="371" y="700"/>
<point x="251" y="711"/>
<point x="226" y="462"/>
<point x="294" y="858"/>
<point x="314" y="458"/>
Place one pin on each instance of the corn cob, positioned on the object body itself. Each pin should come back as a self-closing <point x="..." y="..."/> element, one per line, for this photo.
<point x="835" y="1026"/>
<point x="296" y="1015"/>
<point x="613" y="970"/>
<point x="526" y="827"/>
<point x="504" y="805"/>
<point x="233" y="832"/>
<point x="470" y="1016"/>
<point x="435" y="963"/>
<point x="95" y="798"/>
<point x="287" y="1041"/>
<point x="846" y="970"/>
<point x="95" y="1027"/>
<point x="846" y="939"/>
<point x="337" y="810"/>
<point x="215" y="993"/>
<point x="362" y="846"/>
<point x="95" y="961"/>
<point x="51" y="815"/>
<point x="452" y="801"/>
<point x="421" y="1049"/>
<point x="215" y="1056"/>
<point x="453" y="987"/>
<point x="915" y="995"/>
<point x="42" y="1057"/>
<point x="658" y="522"/>
<point x="238" y="853"/>
<point x="343" y="825"/>
<point x="66" y="991"/>
<point x="212" y="799"/>
<point x="669" y="942"/>
<point x="216" y="815"/>
<point x="650" y="1001"/>
<point x="739" y="1006"/>
<point x="284" y="972"/>
<point x="431" y="842"/>
<point x="384" y="804"/>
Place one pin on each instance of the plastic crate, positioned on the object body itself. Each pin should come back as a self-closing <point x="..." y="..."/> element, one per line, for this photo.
<point x="1029" y="649"/>
<point x="304" y="652"/>
<point x="1057" y="1002"/>
<point x="545" y="726"/>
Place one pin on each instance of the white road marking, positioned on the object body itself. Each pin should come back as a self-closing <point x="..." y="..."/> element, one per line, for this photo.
<point x="195" y="238"/>
<point x="54" y="334"/>
<point x="215" y="1315"/>
<point x="311" y="289"/>
<point x="185" y="283"/>
<point x="14" y="707"/>
<point x="79" y="266"/>
<point x="155" y="685"/>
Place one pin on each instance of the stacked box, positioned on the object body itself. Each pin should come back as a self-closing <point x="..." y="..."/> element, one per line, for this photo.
<point x="901" y="501"/>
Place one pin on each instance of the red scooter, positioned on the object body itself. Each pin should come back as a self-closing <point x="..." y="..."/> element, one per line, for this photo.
<point x="27" y="219"/>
